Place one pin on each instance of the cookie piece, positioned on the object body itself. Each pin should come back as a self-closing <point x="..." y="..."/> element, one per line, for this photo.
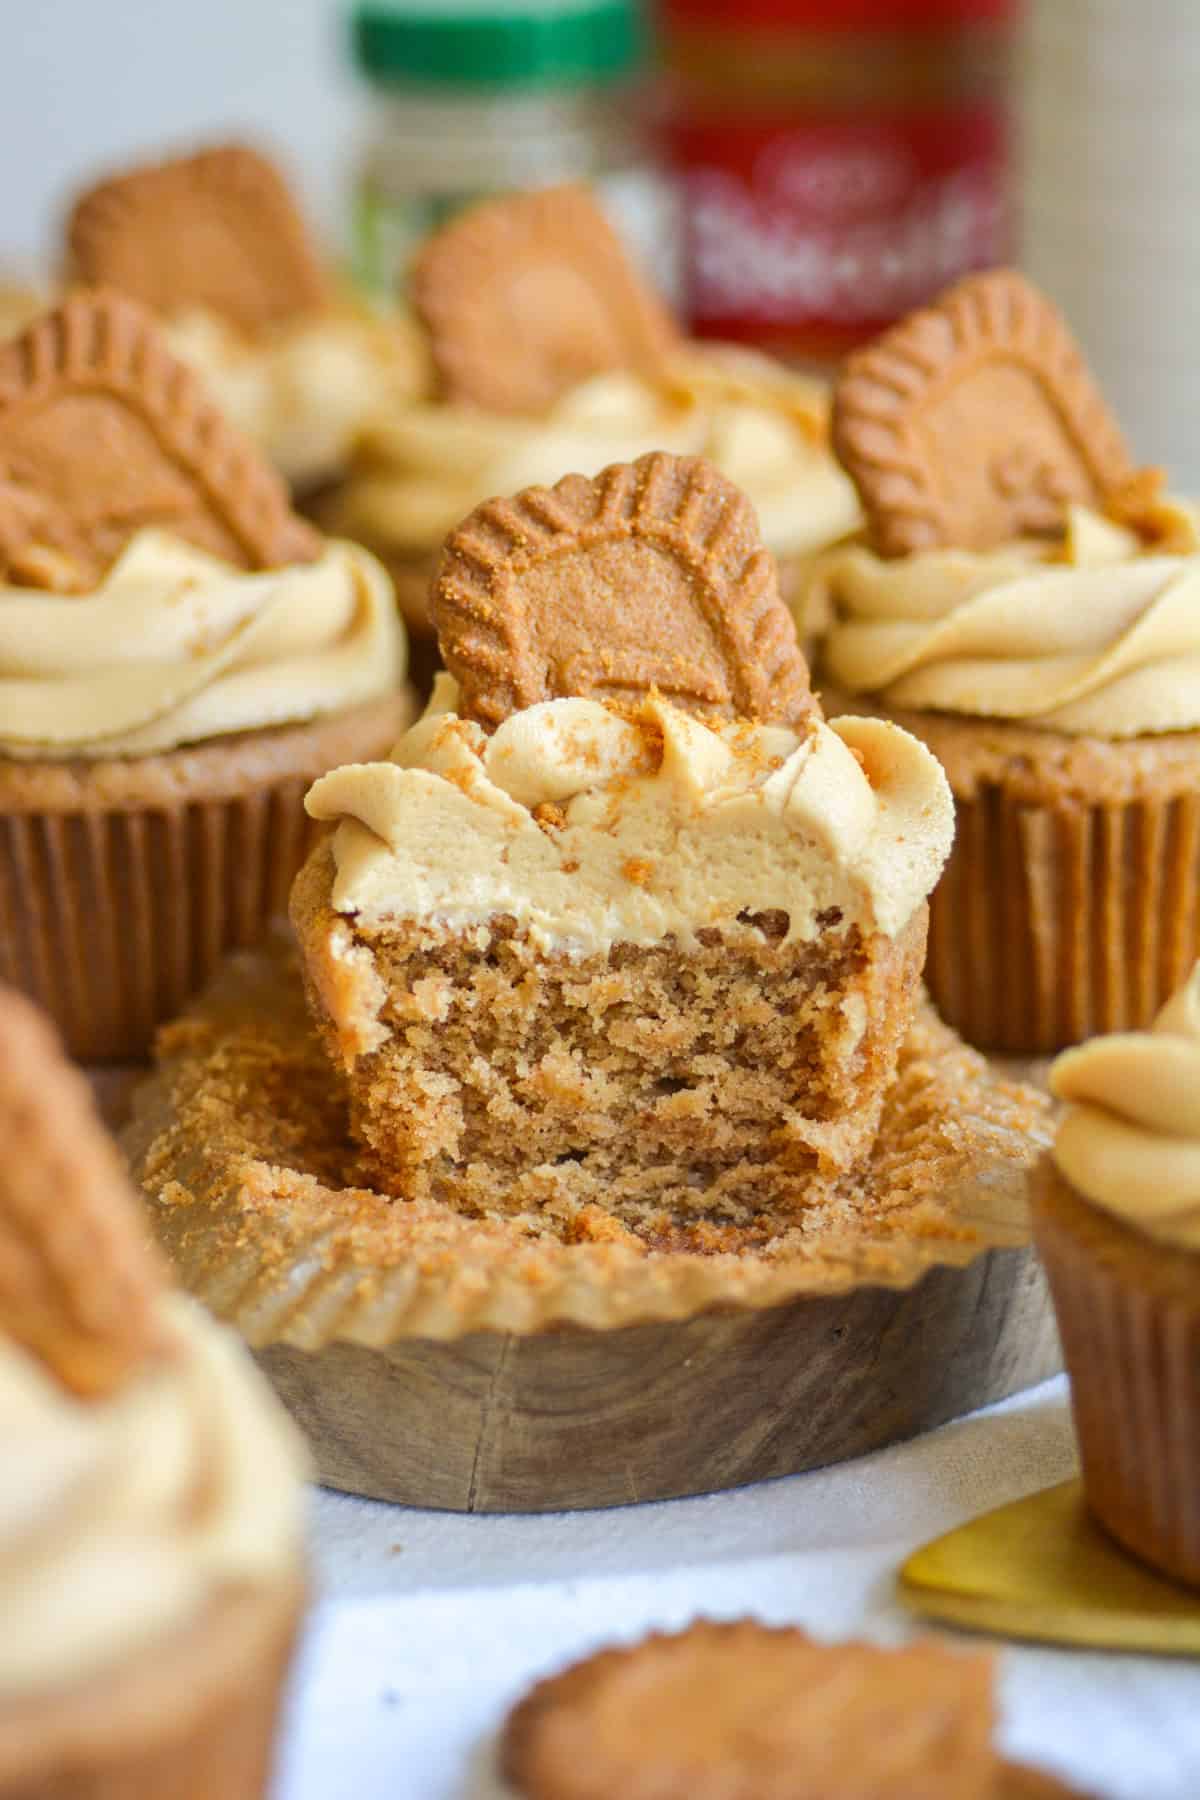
<point x="218" y="230"/>
<point x="80" y="1283"/>
<point x="102" y="432"/>
<point x="975" y="421"/>
<point x="528" y="295"/>
<point x="1017" y="1782"/>
<point x="754" y="1713"/>
<point x="651" y="575"/>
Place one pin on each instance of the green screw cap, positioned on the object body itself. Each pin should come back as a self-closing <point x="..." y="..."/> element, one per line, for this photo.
<point x="536" y="44"/>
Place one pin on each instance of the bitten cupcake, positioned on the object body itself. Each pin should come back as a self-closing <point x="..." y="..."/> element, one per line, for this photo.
<point x="151" y="1493"/>
<point x="1117" y="1222"/>
<point x="547" y="353"/>
<point x="215" y="244"/>
<point x="623" y="921"/>
<point x="1031" y="611"/>
<point x="180" y="656"/>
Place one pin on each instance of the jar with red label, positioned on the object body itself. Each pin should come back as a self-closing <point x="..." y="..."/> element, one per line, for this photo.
<point x="840" y="160"/>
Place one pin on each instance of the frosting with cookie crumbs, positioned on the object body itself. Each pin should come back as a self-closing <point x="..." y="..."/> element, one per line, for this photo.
<point x="1098" y="634"/>
<point x="1130" y="1138"/>
<point x="589" y="824"/>
<point x="307" y="391"/>
<point x="124" y="1517"/>
<point x="765" y="427"/>
<point x="175" y="647"/>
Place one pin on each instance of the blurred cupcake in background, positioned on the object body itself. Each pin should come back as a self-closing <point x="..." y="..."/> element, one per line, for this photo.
<point x="548" y="353"/>
<point x="180" y="656"/>
<point x="1117" y="1222"/>
<point x="215" y="245"/>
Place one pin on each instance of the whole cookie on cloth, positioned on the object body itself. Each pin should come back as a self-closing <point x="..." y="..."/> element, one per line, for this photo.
<point x="744" y="1711"/>
<point x="651" y="575"/>
<point x="527" y="295"/>
<point x="218" y="229"/>
<point x="103" y="432"/>
<point x="80" y="1284"/>
<point x="975" y="421"/>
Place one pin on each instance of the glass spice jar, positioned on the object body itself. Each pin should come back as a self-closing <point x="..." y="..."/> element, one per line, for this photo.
<point x="475" y="97"/>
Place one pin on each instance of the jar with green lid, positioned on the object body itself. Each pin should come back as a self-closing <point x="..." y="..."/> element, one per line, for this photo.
<point x="476" y="97"/>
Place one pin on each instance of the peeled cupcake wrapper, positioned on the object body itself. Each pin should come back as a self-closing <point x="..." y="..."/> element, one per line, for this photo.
<point x="323" y="1259"/>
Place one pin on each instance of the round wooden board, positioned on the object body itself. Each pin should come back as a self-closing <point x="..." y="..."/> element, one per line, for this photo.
<point x="574" y="1418"/>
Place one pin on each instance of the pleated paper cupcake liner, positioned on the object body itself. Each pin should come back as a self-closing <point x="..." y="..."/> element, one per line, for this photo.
<point x="195" y="1719"/>
<point x="1053" y="923"/>
<point x="1132" y="1349"/>
<point x="111" y="920"/>
<point x="122" y="885"/>
<point x="240" y="1141"/>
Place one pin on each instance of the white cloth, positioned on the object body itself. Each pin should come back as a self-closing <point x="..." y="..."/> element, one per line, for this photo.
<point x="434" y="1623"/>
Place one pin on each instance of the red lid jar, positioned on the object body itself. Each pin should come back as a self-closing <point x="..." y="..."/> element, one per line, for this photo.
<point x="840" y="160"/>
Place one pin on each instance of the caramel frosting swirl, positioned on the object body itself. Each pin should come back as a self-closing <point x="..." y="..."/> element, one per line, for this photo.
<point x="1130" y="1139"/>
<point x="121" y="1519"/>
<point x="307" y="392"/>
<point x="589" y="825"/>
<point x="430" y="464"/>
<point x="1095" y="635"/>
<point x="176" y="646"/>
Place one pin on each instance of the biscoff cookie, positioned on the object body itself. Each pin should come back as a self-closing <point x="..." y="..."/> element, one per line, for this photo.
<point x="975" y="421"/>
<point x="80" y="1284"/>
<point x="215" y="244"/>
<point x="218" y="229"/>
<point x="526" y="295"/>
<point x="103" y="431"/>
<point x="752" y="1712"/>
<point x="651" y="576"/>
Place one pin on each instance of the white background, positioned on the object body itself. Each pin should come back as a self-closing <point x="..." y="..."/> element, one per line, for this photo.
<point x="90" y="84"/>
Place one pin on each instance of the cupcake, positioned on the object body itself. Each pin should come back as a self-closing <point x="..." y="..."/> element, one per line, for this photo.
<point x="1117" y="1222"/>
<point x="152" y="1577"/>
<point x="622" y="917"/>
<point x="1027" y="608"/>
<point x="180" y="656"/>
<point x="215" y="245"/>
<point x="547" y="354"/>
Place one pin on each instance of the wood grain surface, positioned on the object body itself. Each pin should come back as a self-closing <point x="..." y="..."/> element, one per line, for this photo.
<point x="574" y="1418"/>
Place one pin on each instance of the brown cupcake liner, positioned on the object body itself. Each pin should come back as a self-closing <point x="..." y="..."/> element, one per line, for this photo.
<point x="115" y="908"/>
<point x="111" y="920"/>
<point x="1053" y="923"/>
<point x="1132" y="1350"/>
<point x="195" y="1718"/>
<point x="241" y="1144"/>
